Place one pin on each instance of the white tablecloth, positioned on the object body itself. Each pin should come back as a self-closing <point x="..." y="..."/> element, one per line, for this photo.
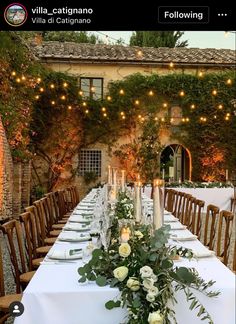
<point x="55" y="296"/>
<point x="219" y="197"/>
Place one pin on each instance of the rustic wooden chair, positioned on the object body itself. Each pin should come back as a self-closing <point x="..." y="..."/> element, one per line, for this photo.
<point x="13" y="231"/>
<point x="189" y="213"/>
<point x="44" y="228"/>
<point x="197" y="217"/>
<point x="210" y="226"/>
<point x="184" y="207"/>
<point x="180" y="204"/>
<point x="176" y="203"/>
<point x="5" y="299"/>
<point x="169" y="199"/>
<point x="29" y="225"/>
<point x="224" y="235"/>
<point x="42" y="248"/>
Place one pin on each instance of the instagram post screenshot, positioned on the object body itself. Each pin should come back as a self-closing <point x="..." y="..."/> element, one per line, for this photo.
<point x="117" y="162"/>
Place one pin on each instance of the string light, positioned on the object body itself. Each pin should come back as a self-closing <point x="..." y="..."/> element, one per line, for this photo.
<point x="123" y="117"/>
<point x="18" y="80"/>
<point x="171" y="65"/>
<point x="214" y="92"/>
<point x="23" y="78"/>
<point x="228" y="114"/>
<point x="150" y="93"/>
<point x="142" y="119"/>
<point x="109" y="98"/>
<point x="53" y="102"/>
<point x="69" y="107"/>
<point x="200" y="74"/>
<point x="13" y="73"/>
<point x="81" y="93"/>
<point x="105" y="115"/>
<point x="121" y="92"/>
<point x="165" y="105"/>
<point x="192" y="106"/>
<point x="182" y="93"/>
<point x="63" y="97"/>
<point x="139" y="116"/>
<point x="37" y="97"/>
<point x="183" y="120"/>
<point x="39" y="80"/>
<point x="92" y="89"/>
<point x="84" y="104"/>
<point x="229" y="82"/>
<point x="103" y="109"/>
<point x="65" y="84"/>
<point x="155" y="118"/>
<point x="41" y="89"/>
<point x="86" y="111"/>
<point x="187" y="119"/>
<point x="203" y="119"/>
<point x="122" y="113"/>
<point x="220" y="106"/>
<point x="172" y="120"/>
<point x="162" y="119"/>
<point x="140" y="53"/>
<point x="136" y="102"/>
<point x="52" y="86"/>
<point x="215" y="116"/>
<point x="226" y="117"/>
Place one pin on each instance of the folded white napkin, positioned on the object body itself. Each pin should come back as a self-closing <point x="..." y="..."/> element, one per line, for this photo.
<point x="170" y="218"/>
<point x="80" y="219"/>
<point x="167" y="212"/>
<point x="177" y="226"/>
<point x="73" y="237"/>
<point x="65" y="254"/>
<point x="85" y="208"/>
<point x="76" y="227"/>
<point x="183" y="236"/>
<point x="202" y="252"/>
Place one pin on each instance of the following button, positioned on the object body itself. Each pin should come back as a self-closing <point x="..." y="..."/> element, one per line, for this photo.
<point x="183" y="15"/>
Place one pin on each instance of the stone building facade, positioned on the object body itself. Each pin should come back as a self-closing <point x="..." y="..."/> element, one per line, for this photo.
<point x="97" y="65"/>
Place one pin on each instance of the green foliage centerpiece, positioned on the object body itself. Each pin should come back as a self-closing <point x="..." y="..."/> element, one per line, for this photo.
<point x="143" y="270"/>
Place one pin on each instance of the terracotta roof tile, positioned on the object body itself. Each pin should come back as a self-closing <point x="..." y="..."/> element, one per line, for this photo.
<point x="119" y="53"/>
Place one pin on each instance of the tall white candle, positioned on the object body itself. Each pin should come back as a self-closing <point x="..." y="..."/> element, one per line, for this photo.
<point x="163" y="174"/>
<point x="109" y="175"/>
<point x="158" y="203"/>
<point x="114" y="176"/>
<point x="226" y="174"/>
<point x="123" y="180"/>
<point x="171" y="172"/>
<point x="138" y="201"/>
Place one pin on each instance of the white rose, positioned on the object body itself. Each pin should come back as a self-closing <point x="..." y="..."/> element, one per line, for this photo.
<point x="124" y="250"/>
<point x="155" y="318"/>
<point x="148" y="283"/>
<point x="146" y="272"/>
<point x="138" y="234"/>
<point x="133" y="284"/>
<point x="153" y="290"/>
<point x="150" y="298"/>
<point x="154" y="278"/>
<point x="121" y="273"/>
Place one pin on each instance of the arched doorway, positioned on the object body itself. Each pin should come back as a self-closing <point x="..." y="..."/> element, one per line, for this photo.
<point x="176" y="163"/>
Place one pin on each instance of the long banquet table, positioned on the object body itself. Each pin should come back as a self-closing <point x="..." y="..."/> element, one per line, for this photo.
<point x="220" y="197"/>
<point x="55" y="296"/>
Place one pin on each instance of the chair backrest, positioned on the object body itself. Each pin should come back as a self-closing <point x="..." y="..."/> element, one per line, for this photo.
<point x="190" y="211"/>
<point x="180" y="204"/>
<point x="197" y="217"/>
<point x="13" y="232"/>
<point x="224" y="235"/>
<point x="2" y="288"/>
<point x="184" y="207"/>
<point x="210" y="226"/>
<point x="169" y="199"/>
<point x="33" y="210"/>
<point x="29" y="224"/>
<point x="39" y="213"/>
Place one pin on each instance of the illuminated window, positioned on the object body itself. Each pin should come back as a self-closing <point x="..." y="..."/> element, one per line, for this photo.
<point x="92" y="87"/>
<point x="90" y="161"/>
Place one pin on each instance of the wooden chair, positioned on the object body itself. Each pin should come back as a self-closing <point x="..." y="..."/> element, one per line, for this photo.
<point x="210" y="226"/>
<point x="29" y="225"/>
<point x="5" y="299"/>
<point x="169" y="199"/>
<point x="197" y="217"/>
<point x="224" y="235"/>
<point x="184" y="207"/>
<point x="13" y="231"/>
<point x="42" y="248"/>
<point x="180" y="204"/>
<point x="189" y="214"/>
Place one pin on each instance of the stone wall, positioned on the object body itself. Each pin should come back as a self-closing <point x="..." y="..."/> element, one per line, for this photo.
<point x="6" y="177"/>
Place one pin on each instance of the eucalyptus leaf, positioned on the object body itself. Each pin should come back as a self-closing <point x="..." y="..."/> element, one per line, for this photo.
<point x="101" y="281"/>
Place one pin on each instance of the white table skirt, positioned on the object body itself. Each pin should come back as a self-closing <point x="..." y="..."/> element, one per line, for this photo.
<point x="55" y="296"/>
<point x="220" y="197"/>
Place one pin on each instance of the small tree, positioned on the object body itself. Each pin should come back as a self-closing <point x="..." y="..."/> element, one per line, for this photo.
<point x="157" y="39"/>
